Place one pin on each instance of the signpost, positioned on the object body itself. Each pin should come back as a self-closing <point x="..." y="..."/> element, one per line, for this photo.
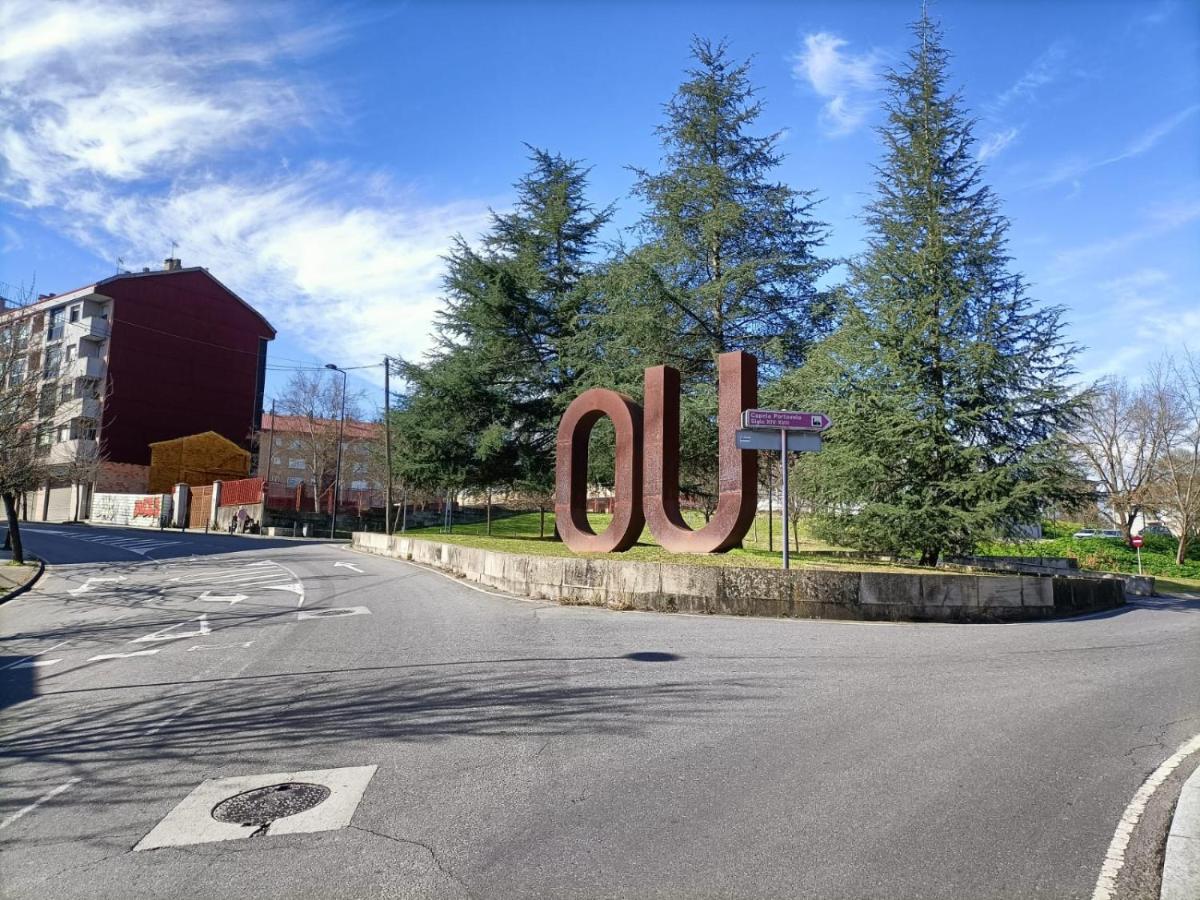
<point x="1136" y="540"/>
<point x="799" y="432"/>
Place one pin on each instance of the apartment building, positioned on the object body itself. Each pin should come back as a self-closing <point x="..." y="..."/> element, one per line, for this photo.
<point x="129" y="361"/>
<point x="303" y="451"/>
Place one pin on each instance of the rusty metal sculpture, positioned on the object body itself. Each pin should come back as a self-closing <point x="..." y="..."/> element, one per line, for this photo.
<point x="570" y="496"/>
<point x="737" y="479"/>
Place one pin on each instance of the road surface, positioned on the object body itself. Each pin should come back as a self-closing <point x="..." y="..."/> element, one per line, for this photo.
<point x="525" y="749"/>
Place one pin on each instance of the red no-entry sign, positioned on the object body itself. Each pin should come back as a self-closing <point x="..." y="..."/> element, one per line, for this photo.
<point x="1136" y="540"/>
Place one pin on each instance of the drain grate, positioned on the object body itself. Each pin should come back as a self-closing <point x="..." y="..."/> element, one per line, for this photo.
<point x="264" y="805"/>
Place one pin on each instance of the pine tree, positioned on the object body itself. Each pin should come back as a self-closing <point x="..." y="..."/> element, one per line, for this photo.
<point x="725" y="259"/>
<point x="948" y="384"/>
<point x="499" y="371"/>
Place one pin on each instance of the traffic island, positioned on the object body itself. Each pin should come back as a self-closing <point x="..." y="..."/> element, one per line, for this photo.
<point x="807" y="593"/>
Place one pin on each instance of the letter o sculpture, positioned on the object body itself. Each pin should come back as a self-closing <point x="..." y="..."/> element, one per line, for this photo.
<point x="570" y="494"/>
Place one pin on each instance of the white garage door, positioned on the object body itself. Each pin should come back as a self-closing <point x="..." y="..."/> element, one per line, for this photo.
<point x="61" y="507"/>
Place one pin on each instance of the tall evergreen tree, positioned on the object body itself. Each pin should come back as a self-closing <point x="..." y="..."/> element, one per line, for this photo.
<point x="947" y="382"/>
<point x="726" y="256"/>
<point x="499" y="371"/>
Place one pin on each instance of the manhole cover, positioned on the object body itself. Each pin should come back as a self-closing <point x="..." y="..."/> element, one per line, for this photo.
<point x="264" y="805"/>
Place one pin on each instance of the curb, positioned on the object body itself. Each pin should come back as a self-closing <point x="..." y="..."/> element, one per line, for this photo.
<point x="1181" y="868"/>
<point x="12" y="595"/>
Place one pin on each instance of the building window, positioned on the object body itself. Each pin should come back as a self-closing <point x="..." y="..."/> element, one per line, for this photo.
<point x="276" y="461"/>
<point x="358" y="485"/>
<point x="53" y="361"/>
<point x="66" y="394"/>
<point x="55" y="330"/>
<point x="295" y="463"/>
<point x="16" y="373"/>
<point x="74" y="314"/>
<point x="64" y="433"/>
<point x="47" y="400"/>
<point x="294" y="445"/>
<point x="72" y="351"/>
<point x="295" y="482"/>
<point x="91" y="388"/>
<point x="360" y="468"/>
<point x="84" y="429"/>
<point x="278" y="442"/>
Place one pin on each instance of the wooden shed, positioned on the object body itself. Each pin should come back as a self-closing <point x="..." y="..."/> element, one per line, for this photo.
<point x="196" y="459"/>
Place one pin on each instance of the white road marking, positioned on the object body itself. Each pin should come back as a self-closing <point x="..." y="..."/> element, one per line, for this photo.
<point x="336" y="612"/>
<point x="218" y="646"/>
<point x="21" y="662"/>
<point x="215" y="598"/>
<point x="103" y="656"/>
<point x="1114" y="859"/>
<point x="154" y="729"/>
<point x="97" y="579"/>
<point x="347" y="565"/>
<point x="34" y="663"/>
<point x="161" y="635"/>
<point x="49" y="795"/>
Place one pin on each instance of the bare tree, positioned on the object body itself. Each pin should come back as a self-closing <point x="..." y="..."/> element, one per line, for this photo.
<point x="22" y="464"/>
<point x="314" y="400"/>
<point x="1118" y="440"/>
<point x="1176" y="489"/>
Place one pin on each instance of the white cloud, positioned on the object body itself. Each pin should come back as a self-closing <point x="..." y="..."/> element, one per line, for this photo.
<point x="1046" y="69"/>
<point x="846" y="81"/>
<point x="126" y="158"/>
<point x="996" y="143"/>
<point x="1072" y="169"/>
<point x="1160" y="221"/>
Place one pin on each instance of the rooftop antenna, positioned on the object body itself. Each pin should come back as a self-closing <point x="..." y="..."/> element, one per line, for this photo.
<point x="174" y="247"/>
<point x="120" y="264"/>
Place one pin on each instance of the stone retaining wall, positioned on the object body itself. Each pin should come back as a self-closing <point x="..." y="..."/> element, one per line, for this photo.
<point x="731" y="590"/>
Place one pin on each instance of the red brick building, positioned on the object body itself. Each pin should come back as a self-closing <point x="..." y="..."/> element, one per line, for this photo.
<point x="135" y="359"/>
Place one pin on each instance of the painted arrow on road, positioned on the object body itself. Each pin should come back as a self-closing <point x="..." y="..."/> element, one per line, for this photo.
<point x="98" y="579"/>
<point x="349" y="566"/>
<point x="216" y="598"/>
<point x="161" y="634"/>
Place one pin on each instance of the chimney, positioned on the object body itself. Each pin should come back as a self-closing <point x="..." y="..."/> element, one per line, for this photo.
<point x="172" y="264"/>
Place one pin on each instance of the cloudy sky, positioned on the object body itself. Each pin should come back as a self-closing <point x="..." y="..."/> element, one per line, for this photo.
<point x="318" y="157"/>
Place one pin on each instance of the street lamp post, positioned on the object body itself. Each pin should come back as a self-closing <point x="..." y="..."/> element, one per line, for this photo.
<point x="337" y="469"/>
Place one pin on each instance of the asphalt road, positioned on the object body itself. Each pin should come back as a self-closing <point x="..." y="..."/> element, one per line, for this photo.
<point x="525" y="749"/>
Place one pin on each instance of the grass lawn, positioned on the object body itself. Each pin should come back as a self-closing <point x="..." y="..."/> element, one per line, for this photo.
<point x="520" y="534"/>
<point x="1177" y="586"/>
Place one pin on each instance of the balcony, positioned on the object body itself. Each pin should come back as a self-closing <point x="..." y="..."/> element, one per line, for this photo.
<point x="85" y="367"/>
<point x="70" y="451"/>
<point x="91" y="328"/>
<point x="78" y="408"/>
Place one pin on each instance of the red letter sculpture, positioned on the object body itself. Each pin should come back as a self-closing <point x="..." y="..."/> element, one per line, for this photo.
<point x="738" y="473"/>
<point x="570" y="500"/>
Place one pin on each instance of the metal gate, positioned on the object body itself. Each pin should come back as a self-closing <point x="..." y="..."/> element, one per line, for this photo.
<point x="199" y="505"/>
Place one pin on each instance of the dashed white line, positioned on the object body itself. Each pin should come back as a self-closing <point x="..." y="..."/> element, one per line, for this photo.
<point x="49" y="795"/>
<point x="34" y="663"/>
<point x="104" y="656"/>
<point x="21" y="662"/>
<point x="154" y="729"/>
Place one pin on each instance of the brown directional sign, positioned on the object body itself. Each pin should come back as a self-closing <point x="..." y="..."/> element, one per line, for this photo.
<point x="785" y="420"/>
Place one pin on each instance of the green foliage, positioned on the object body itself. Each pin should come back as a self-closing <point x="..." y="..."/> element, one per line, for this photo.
<point x="483" y="410"/>
<point x="947" y="384"/>
<point x="726" y="260"/>
<point x="1103" y="554"/>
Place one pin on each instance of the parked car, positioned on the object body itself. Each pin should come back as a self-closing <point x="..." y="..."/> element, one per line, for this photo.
<point x="1157" y="528"/>
<point x="1097" y="533"/>
<point x="1111" y="533"/>
<point x="1085" y="533"/>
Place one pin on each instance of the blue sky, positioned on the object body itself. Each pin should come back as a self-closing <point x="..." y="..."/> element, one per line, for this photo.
<point x="318" y="157"/>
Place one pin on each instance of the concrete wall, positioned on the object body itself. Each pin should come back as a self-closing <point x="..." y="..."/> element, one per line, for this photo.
<point x="730" y="590"/>
<point x="147" y="510"/>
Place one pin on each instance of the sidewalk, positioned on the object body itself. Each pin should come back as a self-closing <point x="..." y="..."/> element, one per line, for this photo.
<point x="1181" y="868"/>
<point x="14" y="578"/>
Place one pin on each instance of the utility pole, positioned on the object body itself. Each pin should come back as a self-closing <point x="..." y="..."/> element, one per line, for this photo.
<point x="270" y="444"/>
<point x="337" y="469"/>
<point x="387" y="442"/>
